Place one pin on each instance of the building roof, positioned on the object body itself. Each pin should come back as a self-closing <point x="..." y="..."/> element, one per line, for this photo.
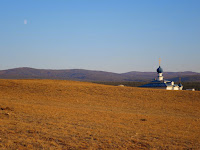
<point x="155" y="84"/>
<point x="180" y="85"/>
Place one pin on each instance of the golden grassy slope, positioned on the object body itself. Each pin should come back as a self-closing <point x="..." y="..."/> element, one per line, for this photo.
<point x="52" y="114"/>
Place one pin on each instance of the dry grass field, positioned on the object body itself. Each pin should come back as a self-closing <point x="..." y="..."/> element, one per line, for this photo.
<point x="55" y="114"/>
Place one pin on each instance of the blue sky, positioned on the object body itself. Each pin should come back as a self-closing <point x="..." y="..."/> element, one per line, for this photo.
<point x="108" y="35"/>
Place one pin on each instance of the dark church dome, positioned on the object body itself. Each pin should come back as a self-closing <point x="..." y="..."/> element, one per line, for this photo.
<point x="180" y="85"/>
<point x="159" y="70"/>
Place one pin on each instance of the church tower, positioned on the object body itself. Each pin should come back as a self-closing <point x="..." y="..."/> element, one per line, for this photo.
<point x="180" y="85"/>
<point x="160" y="72"/>
<point x="160" y="83"/>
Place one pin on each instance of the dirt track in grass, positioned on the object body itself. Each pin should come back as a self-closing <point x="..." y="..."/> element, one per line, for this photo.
<point x="55" y="114"/>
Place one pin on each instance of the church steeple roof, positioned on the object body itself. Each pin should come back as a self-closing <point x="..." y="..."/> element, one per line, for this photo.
<point x="180" y="85"/>
<point x="159" y="70"/>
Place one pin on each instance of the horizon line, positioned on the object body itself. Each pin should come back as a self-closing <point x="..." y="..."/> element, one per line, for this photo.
<point x="89" y="70"/>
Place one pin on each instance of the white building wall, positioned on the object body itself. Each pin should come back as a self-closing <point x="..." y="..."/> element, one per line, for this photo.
<point x="181" y="88"/>
<point x="160" y="77"/>
<point x="169" y="88"/>
<point x="175" y="88"/>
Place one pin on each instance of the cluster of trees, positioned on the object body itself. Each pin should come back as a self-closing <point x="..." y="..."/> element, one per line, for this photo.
<point x="191" y="85"/>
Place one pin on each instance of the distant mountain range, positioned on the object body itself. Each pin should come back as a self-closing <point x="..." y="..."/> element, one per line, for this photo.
<point x="90" y="75"/>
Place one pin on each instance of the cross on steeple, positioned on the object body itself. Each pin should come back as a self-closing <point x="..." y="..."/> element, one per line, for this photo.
<point x="159" y="61"/>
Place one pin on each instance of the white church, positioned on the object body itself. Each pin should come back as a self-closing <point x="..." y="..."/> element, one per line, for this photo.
<point x="160" y="83"/>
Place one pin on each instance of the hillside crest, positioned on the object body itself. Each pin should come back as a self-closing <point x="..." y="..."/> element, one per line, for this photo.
<point x="92" y="75"/>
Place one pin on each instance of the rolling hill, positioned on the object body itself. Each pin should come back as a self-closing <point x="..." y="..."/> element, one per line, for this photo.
<point x="57" y="114"/>
<point x="188" y="78"/>
<point x="89" y="75"/>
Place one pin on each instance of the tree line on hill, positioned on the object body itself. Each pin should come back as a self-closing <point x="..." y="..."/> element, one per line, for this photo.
<point x="91" y="75"/>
